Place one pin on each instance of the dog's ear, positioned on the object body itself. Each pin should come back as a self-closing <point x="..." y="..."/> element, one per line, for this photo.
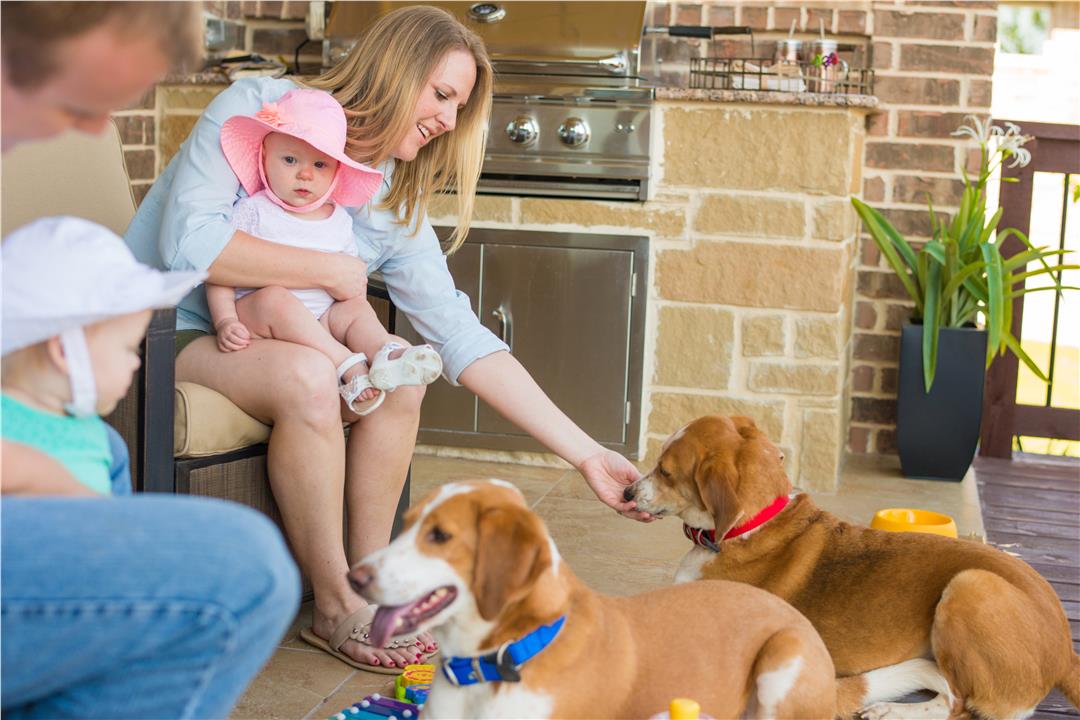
<point x="716" y="478"/>
<point x="745" y="425"/>
<point x="511" y="552"/>
<point x="763" y="464"/>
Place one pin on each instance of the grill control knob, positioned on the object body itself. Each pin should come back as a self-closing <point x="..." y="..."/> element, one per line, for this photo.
<point x="574" y="132"/>
<point x="522" y="130"/>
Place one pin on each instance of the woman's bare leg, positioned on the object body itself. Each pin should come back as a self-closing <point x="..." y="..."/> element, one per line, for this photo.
<point x="294" y="388"/>
<point x="372" y="489"/>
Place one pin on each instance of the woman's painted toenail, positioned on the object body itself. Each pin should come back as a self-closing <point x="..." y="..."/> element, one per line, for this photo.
<point x="375" y="661"/>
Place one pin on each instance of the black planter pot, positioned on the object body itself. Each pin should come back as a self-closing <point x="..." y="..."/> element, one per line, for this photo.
<point x="936" y="433"/>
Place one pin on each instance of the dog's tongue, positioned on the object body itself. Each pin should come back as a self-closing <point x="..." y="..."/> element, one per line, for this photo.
<point x="384" y="622"/>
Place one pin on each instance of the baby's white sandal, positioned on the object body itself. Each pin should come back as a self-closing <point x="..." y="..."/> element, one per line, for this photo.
<point x="351" y="391"/>
<point x="417" y="365"/>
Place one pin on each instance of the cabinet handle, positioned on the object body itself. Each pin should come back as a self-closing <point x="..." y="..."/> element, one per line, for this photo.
<point x="506" y="325"/>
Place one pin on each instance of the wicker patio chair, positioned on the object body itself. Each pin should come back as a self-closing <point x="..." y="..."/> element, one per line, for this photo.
<point x="182" y="437"/>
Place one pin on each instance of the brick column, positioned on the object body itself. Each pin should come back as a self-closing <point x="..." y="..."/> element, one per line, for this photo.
<point x="934" y="62"/>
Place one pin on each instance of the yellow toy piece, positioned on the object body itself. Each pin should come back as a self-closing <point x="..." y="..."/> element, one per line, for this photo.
<point x="683" y="709"/>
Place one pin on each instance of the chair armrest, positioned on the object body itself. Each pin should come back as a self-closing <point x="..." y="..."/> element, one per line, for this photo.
<point x="376" y="288"/>
<point x="156" y="410"/>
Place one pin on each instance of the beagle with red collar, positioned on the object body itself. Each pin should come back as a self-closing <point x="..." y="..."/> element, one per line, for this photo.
<point x="521" y="636"/>
<point x="884" y="603"/>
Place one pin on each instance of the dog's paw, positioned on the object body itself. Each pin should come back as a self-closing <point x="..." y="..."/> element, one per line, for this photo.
<point x="877" y="711"/>
<point x="936" y="709"/>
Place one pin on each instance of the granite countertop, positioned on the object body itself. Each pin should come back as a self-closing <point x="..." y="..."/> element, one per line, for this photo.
<point x="209" y="76"/>
<point x="771" y="97"/>
<point x="214" y="76"/>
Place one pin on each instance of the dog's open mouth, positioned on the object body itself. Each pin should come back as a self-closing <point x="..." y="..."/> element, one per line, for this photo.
<point x="391" y="620"/>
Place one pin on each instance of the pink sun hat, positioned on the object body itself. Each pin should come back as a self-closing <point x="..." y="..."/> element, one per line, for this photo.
<point x="316" y="118"/>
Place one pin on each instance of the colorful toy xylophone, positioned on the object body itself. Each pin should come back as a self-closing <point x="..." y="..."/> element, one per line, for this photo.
<point x="411" y="690"/>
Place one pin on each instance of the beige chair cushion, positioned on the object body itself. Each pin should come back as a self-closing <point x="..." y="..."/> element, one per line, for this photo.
<point x="207" y="423"/>
<point x="74" y="174"/>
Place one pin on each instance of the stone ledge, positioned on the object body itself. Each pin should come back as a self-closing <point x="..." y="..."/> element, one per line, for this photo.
<point x="768" y="97"/>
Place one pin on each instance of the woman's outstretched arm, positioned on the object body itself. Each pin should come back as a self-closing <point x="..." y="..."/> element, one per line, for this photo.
<point x="502" y="382"/>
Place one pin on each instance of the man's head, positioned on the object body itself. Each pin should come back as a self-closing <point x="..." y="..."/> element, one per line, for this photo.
<point x="69" y="64"/>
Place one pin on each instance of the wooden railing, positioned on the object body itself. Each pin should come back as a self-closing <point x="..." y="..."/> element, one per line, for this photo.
<point x="1054" y="149"/>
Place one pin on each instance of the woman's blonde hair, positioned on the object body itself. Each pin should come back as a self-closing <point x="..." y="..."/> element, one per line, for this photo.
<point x="379" y="84"/>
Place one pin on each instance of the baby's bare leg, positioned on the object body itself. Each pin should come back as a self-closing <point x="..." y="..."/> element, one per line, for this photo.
<point x="355" y="324"/>
<point x="274" y="312"/>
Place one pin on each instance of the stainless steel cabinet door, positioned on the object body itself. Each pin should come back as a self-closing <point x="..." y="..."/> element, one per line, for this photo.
<point x="566" y="314"/>
<point x="447" y="407"/>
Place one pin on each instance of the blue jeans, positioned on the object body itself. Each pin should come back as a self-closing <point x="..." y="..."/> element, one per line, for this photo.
<point x="152" y="606"/>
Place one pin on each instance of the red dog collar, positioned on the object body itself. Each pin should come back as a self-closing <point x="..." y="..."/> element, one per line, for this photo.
<point x="707" y="538"/>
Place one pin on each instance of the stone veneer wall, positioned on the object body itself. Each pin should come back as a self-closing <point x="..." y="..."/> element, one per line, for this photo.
<point x="753" y="249"/>
<point x="933" y="61"/>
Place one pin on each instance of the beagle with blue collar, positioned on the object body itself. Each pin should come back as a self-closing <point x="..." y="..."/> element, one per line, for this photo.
<point x="898" y="611"/>
<point x="522" y="636"/>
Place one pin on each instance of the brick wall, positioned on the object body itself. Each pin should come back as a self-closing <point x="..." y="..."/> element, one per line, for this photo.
<point x="154" y="127"/>
<point x="933" y="63"/>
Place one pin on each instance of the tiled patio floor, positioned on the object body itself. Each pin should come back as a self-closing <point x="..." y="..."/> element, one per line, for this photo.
<point x="301" y="682"/>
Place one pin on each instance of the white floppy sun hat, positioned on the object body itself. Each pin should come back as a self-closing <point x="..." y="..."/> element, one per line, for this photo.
<point x="62" y="273"/>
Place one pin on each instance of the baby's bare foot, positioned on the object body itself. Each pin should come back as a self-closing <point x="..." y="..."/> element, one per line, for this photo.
<point x="358" y="370"/>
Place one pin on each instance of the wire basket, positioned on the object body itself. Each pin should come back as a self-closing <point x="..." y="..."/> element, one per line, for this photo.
<point x="762" y="74"/>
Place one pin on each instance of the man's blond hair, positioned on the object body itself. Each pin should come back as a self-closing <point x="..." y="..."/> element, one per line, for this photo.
<point x="30" y="30"/>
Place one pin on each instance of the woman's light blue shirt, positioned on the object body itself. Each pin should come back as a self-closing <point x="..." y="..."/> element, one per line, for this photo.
<point x="183" y="224"/>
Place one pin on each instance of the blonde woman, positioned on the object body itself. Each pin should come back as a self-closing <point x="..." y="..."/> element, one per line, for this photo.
<point x="417" y="91"/>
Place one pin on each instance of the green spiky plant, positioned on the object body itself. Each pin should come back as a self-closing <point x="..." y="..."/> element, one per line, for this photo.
<point x="960" y="273"/>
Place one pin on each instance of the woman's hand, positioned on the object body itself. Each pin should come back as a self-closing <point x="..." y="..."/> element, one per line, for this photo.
<point x="348" y="277"/>
<point x="608" y="474"/>
<point x="232" y="335"/>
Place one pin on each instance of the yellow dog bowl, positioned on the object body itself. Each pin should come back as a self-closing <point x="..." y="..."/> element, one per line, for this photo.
<point x="909" y="520"/>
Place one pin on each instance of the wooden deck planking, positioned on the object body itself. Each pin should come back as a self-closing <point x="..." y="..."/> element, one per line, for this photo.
<point x="1031" y="508"/>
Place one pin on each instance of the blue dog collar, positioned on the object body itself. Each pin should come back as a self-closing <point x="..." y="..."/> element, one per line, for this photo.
<point x="504" y="664"/>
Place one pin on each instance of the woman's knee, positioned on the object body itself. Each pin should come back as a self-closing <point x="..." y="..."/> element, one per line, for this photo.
<point x="407" y="399"/>
<point x="306" y="387"/>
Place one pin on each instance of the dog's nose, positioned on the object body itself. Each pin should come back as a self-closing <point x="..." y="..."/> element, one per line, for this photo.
<point x="628" y="493"/>
<point x="360" y="578"/>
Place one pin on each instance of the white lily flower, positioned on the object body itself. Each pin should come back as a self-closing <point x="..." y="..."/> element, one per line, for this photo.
<point x="976" y="131"/>
<point x="1021" y="157"/>
<point x="1008" y="140"/>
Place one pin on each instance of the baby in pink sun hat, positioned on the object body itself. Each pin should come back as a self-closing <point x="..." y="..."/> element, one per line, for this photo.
<point x="290" y="159"/>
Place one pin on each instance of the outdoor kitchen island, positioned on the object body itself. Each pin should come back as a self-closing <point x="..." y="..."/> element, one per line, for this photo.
<point x="751" y="245"/>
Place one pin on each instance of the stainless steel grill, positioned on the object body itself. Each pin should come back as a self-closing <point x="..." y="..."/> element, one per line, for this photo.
<point x="571" y="115"/>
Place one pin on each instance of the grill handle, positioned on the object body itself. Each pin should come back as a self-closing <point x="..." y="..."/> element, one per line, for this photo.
<point x="697" y="31"/>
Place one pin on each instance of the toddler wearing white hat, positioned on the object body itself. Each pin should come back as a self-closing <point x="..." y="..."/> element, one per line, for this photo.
<point x="290" y="158"/>
<point x="76" y="305"/>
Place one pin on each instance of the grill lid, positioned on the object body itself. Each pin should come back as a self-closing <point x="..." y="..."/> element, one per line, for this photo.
<point x="557" y="38"/>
